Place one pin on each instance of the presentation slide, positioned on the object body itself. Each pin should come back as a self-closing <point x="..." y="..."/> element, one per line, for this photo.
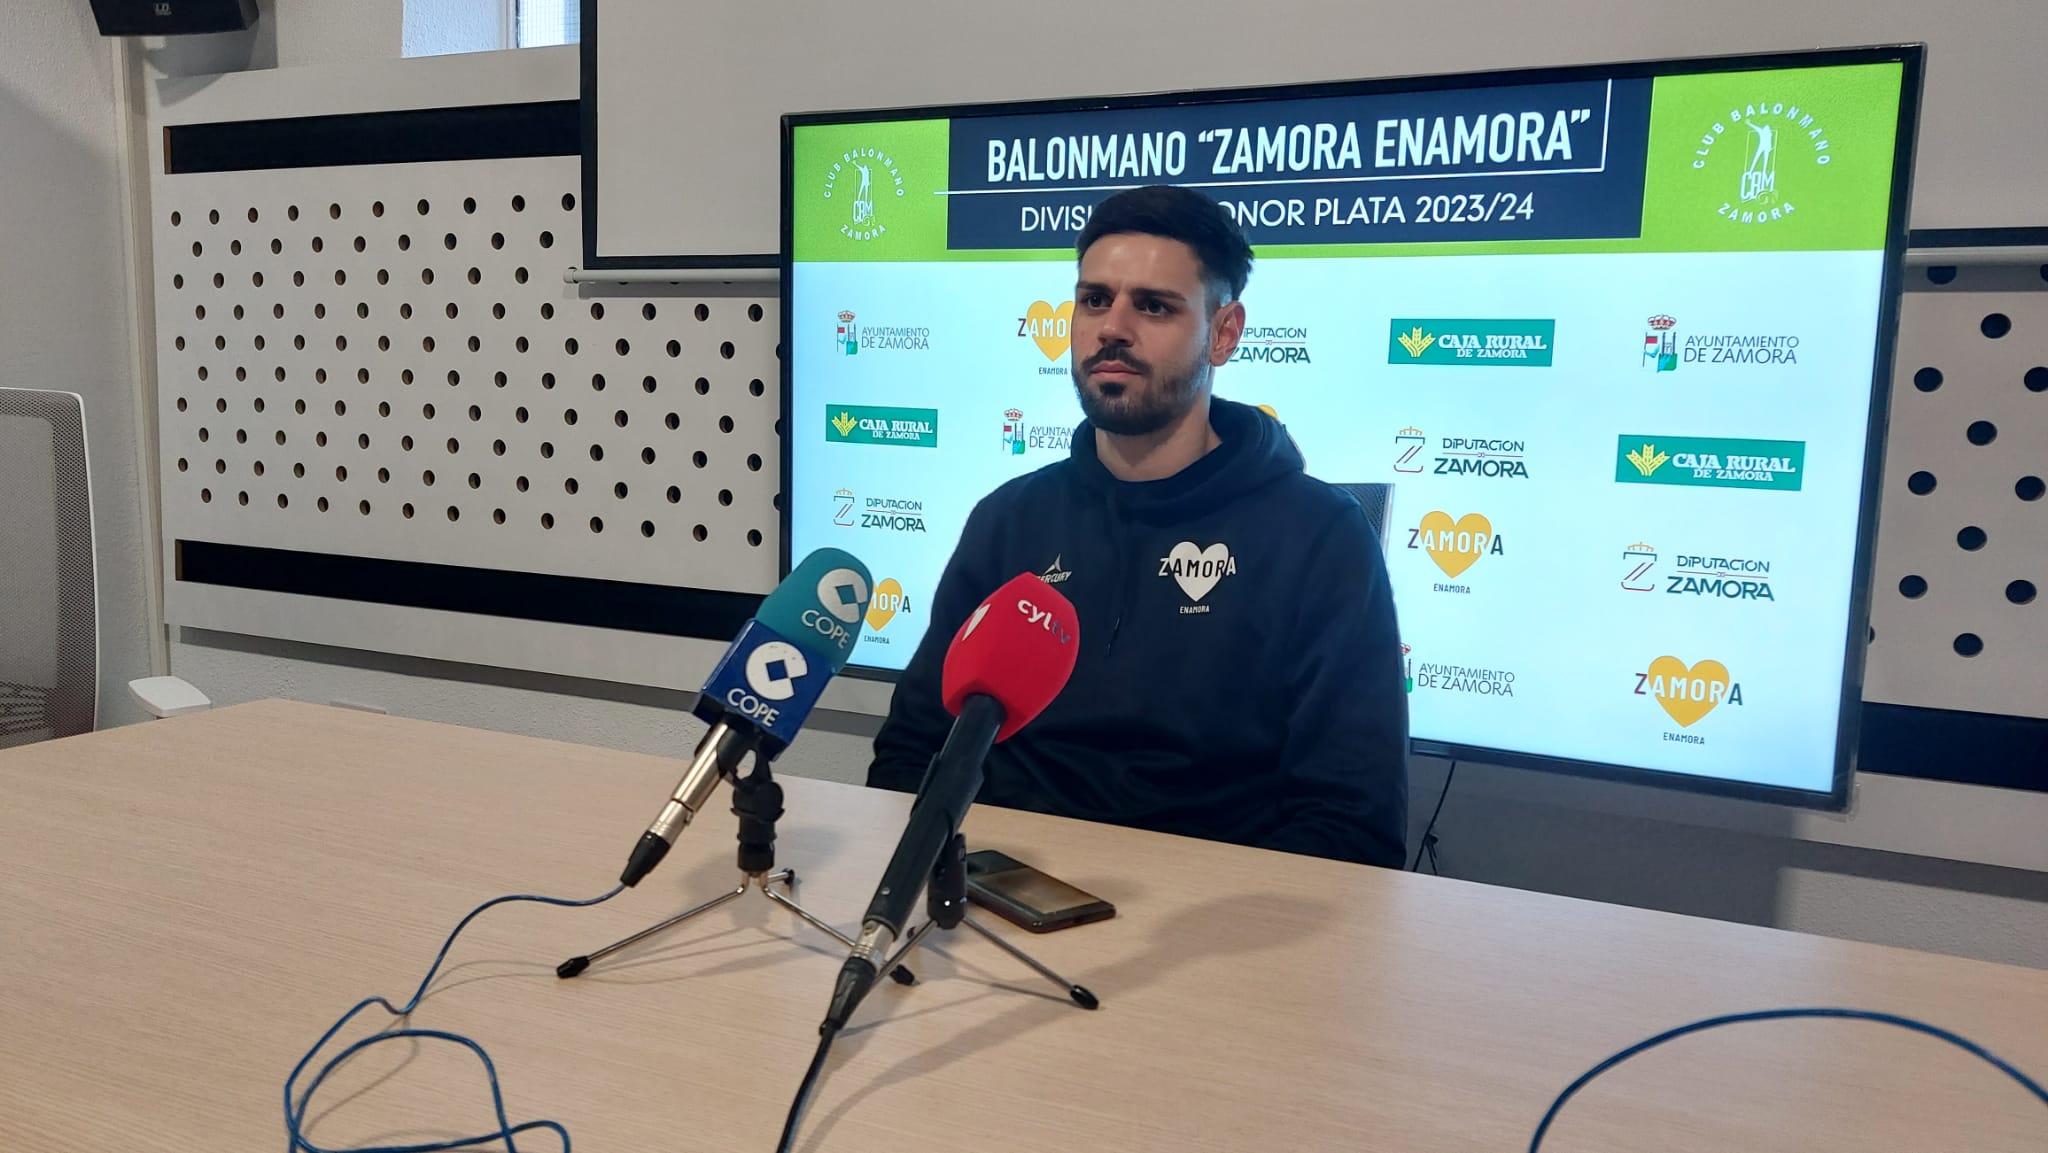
<point x="1602" y="347"/>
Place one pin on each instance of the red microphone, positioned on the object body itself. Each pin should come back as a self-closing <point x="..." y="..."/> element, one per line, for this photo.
<point x="1008" y="661"/>
<point x="1017" y="649"/>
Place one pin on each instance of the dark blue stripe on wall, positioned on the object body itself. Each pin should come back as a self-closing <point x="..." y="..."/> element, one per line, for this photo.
<point x="705" y="614"/>
<point x="412" y="136"/>
<point x="1976" y="237"/>
<point x="1949" y="745"/>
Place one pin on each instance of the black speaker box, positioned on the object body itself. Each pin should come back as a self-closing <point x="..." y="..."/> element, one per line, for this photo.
<point x="172" y="17"/>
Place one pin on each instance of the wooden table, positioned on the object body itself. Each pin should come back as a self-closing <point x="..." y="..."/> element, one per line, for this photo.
<point x="186" y="905"/>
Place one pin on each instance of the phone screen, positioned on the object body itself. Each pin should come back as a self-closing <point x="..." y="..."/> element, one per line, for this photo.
<point x="1033" y="890"/>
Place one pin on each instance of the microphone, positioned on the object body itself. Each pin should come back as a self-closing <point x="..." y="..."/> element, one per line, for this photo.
<point x="1009" y="660"/>
<point x="764" y="686"/>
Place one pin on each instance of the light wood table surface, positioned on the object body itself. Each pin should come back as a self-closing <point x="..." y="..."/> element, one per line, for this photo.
<point x="186" y="905"/>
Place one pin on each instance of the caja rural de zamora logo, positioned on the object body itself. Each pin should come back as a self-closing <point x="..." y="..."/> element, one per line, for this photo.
<point x="1506" y="343"/>
<point x="1718" y="462"/>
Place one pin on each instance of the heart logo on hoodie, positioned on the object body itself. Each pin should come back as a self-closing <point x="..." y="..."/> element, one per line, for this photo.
<point x="1197" y="570"/>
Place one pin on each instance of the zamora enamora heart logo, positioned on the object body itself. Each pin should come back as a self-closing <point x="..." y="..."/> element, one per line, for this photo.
<point x="1197" y="570"/>
<point x="1050" y="328"/>
<point x="1455" y="545"/>
<point x="887" y="603"/>
<point x="1689" y="693"/>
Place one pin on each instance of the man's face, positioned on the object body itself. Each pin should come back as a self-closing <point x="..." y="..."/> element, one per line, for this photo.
<point x="1144" y="339"/>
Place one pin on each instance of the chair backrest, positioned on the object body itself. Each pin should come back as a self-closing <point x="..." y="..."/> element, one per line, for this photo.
<point x="49" y="616"/>
<point x="1378" y="502"/>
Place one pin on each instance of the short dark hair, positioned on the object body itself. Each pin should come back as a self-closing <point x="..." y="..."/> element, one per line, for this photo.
<point x="1181" y="214"/>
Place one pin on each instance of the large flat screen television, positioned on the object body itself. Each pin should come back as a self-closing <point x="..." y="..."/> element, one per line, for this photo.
<point x="1603" y="351"/>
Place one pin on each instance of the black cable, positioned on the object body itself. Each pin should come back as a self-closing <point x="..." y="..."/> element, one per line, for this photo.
<point x="1962" y="1043"/>
<point x="1428" y="844"/>
<point x="803" y="1093"/>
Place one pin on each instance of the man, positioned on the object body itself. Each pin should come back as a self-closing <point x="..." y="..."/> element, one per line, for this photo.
<point x="1239" y="676"/>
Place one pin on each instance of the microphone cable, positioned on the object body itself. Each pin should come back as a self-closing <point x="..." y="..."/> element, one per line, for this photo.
<point x="1428" y="845"/>
<point x="1960" y="1042"/>
<point x="295" y="1114"/>
<point x="826" y="1033"/>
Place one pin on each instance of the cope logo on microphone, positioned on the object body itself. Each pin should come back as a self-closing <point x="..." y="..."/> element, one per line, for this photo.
<point x="841" y="593"/>
<point x="772" y="673"/>
<point x="773" y="668"/>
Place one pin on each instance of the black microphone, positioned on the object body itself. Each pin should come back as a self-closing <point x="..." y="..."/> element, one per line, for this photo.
<point x="1006" y="664"/>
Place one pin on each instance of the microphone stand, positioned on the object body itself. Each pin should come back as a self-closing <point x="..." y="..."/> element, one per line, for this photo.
<point x="945" y="905"/>
<point x="757" y="802"/>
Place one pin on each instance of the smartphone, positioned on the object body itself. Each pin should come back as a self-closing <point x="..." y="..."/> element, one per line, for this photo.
<point x="1025" y="896"/>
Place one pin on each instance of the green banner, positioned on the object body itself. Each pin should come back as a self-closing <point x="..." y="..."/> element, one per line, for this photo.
<point x="870" y="424"/>
<point x="1711" y="462"/>
<point x="1797" y="159"/>
<point x="869" y="191"/>
<point x="1471" y="343"/>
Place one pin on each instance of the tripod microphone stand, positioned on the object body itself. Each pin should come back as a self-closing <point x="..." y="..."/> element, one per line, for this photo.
<point x="757" y="802"/>
<point x="945" y="905"/>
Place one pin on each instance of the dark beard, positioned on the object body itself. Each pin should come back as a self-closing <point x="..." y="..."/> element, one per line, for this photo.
<point x="1134" y="413"/>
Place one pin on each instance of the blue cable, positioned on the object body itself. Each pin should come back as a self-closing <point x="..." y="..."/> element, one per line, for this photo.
<point x="1960" y="1042"/>
<point x="295" y="1116"/>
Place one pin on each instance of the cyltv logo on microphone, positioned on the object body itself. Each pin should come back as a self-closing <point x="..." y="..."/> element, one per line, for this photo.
<point x="1038" y="618"/>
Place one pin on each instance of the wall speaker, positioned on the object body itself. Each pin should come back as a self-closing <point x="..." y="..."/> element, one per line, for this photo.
<point x="172" y="17"/>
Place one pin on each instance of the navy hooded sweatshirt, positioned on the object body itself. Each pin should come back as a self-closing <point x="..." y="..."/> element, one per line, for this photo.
<point x="1239" y="676"/>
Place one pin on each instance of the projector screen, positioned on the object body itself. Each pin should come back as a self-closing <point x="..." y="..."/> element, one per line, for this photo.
<point x="1602" y="352"/>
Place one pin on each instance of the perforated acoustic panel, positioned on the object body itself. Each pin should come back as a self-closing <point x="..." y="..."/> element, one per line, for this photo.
<point x="384" y="361"/>
<point x="1962" y="557"/>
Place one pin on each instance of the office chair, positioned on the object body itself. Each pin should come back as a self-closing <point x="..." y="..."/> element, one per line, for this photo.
<point x="49" y="615"/>
<point x="1378" y="502"/>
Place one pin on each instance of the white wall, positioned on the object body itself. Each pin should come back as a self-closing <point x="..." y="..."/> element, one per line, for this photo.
<point x="72" y="103"/>
<point x="331" y="31"/>
<point x="287" y="34"/>
<point x="64" y="301"/>
<point x="439" y="27"/>
<point x="1870" y="877"/>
